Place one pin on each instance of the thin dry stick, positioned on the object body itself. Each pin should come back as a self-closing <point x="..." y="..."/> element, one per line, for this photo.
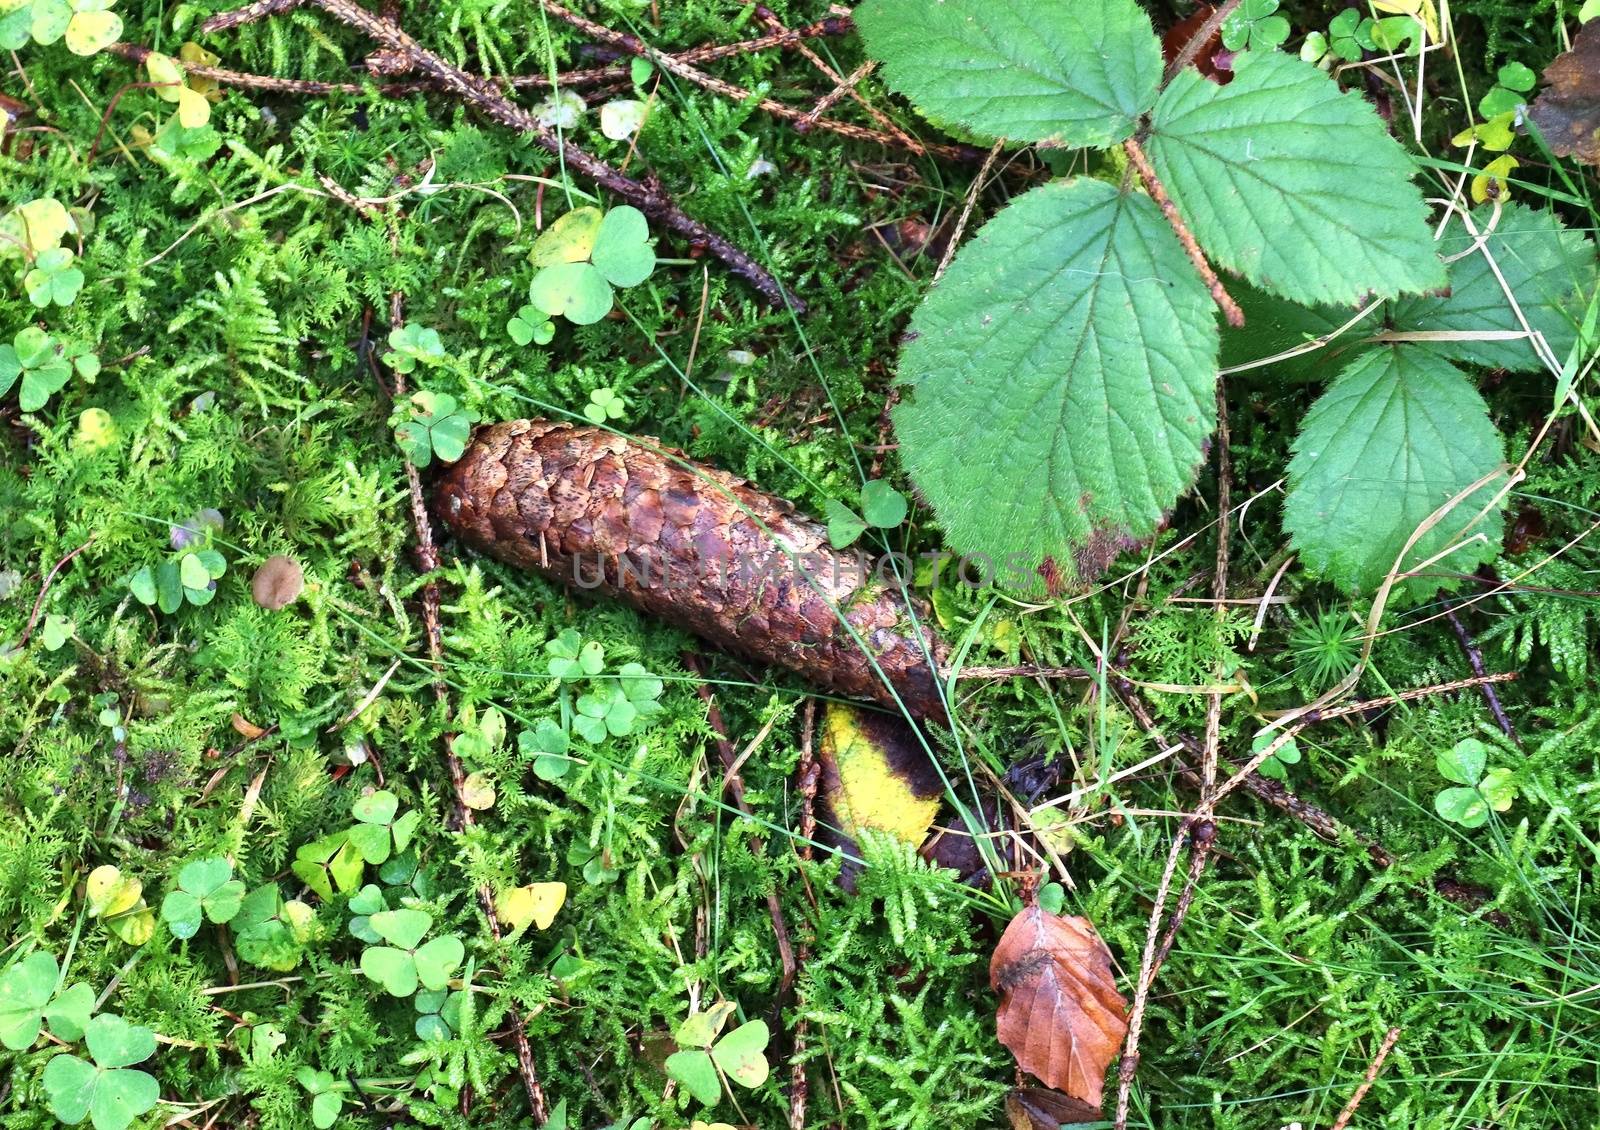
<point x="1197" y="830"/>
<point x="735" y="787"/>
<point x="1158" y="193"/>
<point x="810" y="774"/>
<point x="38" y="604"/>
<point x="249" y="14"/>
<point x="700" y="78"/>
<point x="1475" y="661"/>
<point x="1201" y="37"/>
<point x="966" y="209"/>
<point x="844" y="86"/>
<point x="1376" y="1066"/>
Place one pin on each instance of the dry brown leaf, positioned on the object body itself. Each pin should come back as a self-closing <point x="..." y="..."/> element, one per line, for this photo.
<point x="1568" y="111"/>
<point x="1034" y="1108"/>
<point x="1060" y="1012"/>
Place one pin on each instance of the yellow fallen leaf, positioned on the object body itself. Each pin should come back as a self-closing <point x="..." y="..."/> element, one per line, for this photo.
<point x="569" y="240"/>
<point x="136" y="927"/>
<point x="110" y="892"/>
<point x="1491" y="183"/>
<point x="477" y="791"/>
<point x="96" y="430"/>
<point x="537" y="903"/>
<point x="875" y="774"/>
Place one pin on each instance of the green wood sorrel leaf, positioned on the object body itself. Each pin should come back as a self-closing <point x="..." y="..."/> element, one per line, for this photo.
<point x="1071" y="74"/>
<point x="622" y="247"/>
<point x="1293" y="184"/>
<point x="105" y="1091"/>
<point x="1399" y="433"/>
<point x="205" y="887"/>
<point x="739" y="1054"/>
<point x="697" y="1073"/>
<point x="329" y="863"/>
<point x="1038" y="425"/>
<point x="25" y="990"/>
<point x="1463" y="762"/>
<point x="378" y="834"/>
<point x="1549" y="269"/>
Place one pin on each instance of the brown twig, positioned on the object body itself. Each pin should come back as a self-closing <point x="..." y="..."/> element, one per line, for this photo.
<point x="810" y="772"/>
<point x="633" y="46"/>
<point x="1198" y="830"/>
<point x="845" y="85"/>
<point x="249" y="14"/>
<point x="735" y="787"/>
<point x="1158" y="193"/>
<point x="1475" y="661"/>
<point x="954" y="244"/>
<point x="1201" y="37"/>
<point x="1376" y="1066"/>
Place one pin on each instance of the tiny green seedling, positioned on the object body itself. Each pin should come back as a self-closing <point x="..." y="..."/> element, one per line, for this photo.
<point x="407" y="961"/>
<point x="546" y="746"/>
<point x="330" y="863"/>
<point x="604" y="404"/>
<point x="191" y="577"/>
<point x="326" y="1094"/>
<point x="104" y="1088"/>
<point x="378" y="832"/>
<point x="432" y="423"/>
<point x="411" y="345"/>
<point x="44" y="364"/>
<point x="530" y="324"/>
<point x="571" y="658"/>
<point x="53" y="279"/>
<point x="29" y="1002"/>
<point x="882" y="508"/>
<point x="206" y="888"/>
<point x="1284" y="756"/>
<point x="705" y="1061"/>
<point x="1477" y="791"/>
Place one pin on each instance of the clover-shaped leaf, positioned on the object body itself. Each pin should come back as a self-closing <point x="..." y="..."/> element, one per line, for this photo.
<point x="1463" y="763"/>
<point x="332" y="862"/>
<point x="106" y="1091"/>
<point x="1477" y="792"/>
<point x="1285" y="755"/>
<point x="608" y="710"/>
<point x="570" y="239"/>
<point x="546" y="744"/>
<point x="326" y="1099"/>
<point x="604" y="404"/>
<point x="882" y="506"/>
<point x="93" y="26"/>
<point x="844" y="524"/>
<point x="378" y="833"/>
<point x="37" y="225"/>
<point x="363" y="905"/>
<point x="205" y="887"/>
<point x="434" y="424"/>
<point x="53" y="279"/>
<point x="115" y="899"/>
<point x="530" y="324"/>
<point x="25" y="989"/>
<point x="571" y="658"/>
<point x="577" y="292"/>
<point x="1350" y="34"/>
<point x="701" y="1065"/>
<point x="411" y="345"/>
<point x="194" y="110"/>
<point x="37" y="358"/>
<point x="270" y="932"/>
<point x="1255" y="24"/>
<point x="1513" y="82"/>
<point x="439" y="1013"/>
<point x="406" y="961"/>
<point x="622" y="247"/>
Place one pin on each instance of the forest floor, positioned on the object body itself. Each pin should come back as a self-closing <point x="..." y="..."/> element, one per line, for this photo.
<point x="242" y="281"/>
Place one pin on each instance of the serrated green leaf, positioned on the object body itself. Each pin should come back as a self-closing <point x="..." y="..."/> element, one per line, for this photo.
<point x="1399" y="433"/>
<point x="1073" y="74"/>
<point x="1549" y="270"/>
<point x="1293" y="184"/>
<point x="1060" y="379"/>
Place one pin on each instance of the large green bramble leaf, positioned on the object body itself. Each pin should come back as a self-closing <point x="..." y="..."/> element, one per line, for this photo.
<point x="1061" y="379"/>
<point x="1074" y="74"/>
<point x="1292" y="184"/>
<point x="1549" y="270"/>
<point x="1398" y="434"/>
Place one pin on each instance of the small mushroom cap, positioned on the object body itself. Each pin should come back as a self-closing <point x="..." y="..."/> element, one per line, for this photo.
<point x="277" y="583"/>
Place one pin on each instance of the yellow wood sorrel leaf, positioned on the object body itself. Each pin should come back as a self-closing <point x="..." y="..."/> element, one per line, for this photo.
<point x="569" y="240"/>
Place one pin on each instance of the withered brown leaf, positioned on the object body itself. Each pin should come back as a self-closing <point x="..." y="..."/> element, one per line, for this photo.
<point x="1034" y="1108"/>
<point x="1060" y="1012"/>
<point x="1567" y="112"/>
